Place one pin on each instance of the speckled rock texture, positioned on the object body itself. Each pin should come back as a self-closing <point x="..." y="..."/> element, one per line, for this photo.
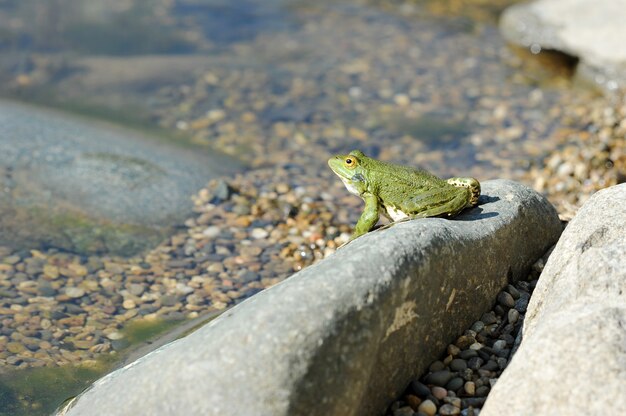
<point x="86" y="186"/>
<point x="572" y="358"/>
<point x="339" y="337"/>
<point x="592" y="30"/>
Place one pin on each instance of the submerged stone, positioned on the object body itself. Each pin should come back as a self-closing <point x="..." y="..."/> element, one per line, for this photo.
<point x="92" y="187"/>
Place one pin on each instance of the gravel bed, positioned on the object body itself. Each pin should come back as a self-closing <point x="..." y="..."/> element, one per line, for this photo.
<point x="459" y="382"/>
<point x="458" y="102"/>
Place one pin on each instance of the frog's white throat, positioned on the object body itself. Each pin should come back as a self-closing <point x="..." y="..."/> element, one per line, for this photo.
<point x="351" y="188"/>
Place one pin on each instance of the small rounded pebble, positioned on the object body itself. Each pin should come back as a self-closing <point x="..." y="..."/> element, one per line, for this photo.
<point x="506" y="300"/>
<point x="439" y="392"/>
<point x="455" y="384"/>
<point x="458" y="364"/>
<point x="439" y="378"/>
<point x="513" y="316"/>
<point x="499" y="345"/>
<point x="470" y="388"/>
<point x="427" y="407"/>
<point x="448" y="410"/>
<point x="419" y="389"/>
<point x="74" y="292"/>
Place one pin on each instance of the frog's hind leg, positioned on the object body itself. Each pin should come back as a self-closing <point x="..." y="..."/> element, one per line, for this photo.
<point x="470" y="183"/>
<point x="448" y="208"/>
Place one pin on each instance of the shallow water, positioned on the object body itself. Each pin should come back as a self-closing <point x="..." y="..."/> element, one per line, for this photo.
<point x="425" y="83"/>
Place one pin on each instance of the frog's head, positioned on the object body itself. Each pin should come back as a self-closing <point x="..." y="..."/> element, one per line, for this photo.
<point x="351" y="171"/>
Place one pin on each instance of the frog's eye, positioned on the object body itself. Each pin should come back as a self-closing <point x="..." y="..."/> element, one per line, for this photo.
<point x="350" y="162"/>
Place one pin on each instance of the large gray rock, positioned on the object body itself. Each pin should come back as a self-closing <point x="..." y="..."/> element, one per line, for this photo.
<point x="90" y="187"/>
<point x="344" y="336"/>
<point x="572" y="359"/>
<point x="592" y="30"/>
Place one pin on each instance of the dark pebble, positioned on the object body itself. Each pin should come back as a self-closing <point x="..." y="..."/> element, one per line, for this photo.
<point x="439" y="378"/>
<point x="490" y="365"/>
<point x="455" y="384"/>
<point x="521" y="305"/>
<point x="475" y="363"/>
<point x="46" y="289"/>
<point x="513" y="291"/>
<point x="247" y="276"/>
<point x="500" y="310"/>
<point x="436" y="366"/>
<point x="169" y="300"/>
<point x="489" y="318"/>
<point x="119" y="344"/>
<point x="473" y="401"/>
<point x="73" y="309"/>
<point x="58" y="314"/>
<point x="484" y="354"/>
<point x="419" y="389"/>
<point x="505" y="299"/>
<point x="467" y="354"/>
<point x="482" y="391"/>
<point x="458" y="364"/>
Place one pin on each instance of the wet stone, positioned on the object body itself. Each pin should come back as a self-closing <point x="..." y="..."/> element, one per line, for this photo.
<point x="458" y="364"/>
<point x="513" y="291"/>
<point x="499" y="345"/>
<point x="439" y="392"/>
<point x="455" y="384"/>
<point x="475" y="363"/>
<point x="75" y="292"/>
<point x="439" y="378"/>
<point x="436" y="366"/>
<point x="506" y="300"/>
<point x="482" y="391"/>
<point x="513" y="316"/>
<point x="478" y="326"/>
<point x="489" y="318"/>
<point x="521" y="305"/>
<point x="467" y="354"/>
<point x="448" y="410"/>
<point x="419" y="389"/>
<point x="428" y="408"/>
<point x="490" y="365"/>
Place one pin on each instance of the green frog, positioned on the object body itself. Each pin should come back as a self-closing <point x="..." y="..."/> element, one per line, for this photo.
<point x="400" y="192"/>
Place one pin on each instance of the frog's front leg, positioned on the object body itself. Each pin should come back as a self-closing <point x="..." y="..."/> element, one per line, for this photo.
<point x="368" y="218"/>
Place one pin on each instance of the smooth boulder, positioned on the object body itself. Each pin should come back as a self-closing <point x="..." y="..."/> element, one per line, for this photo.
<point x="344" y="336"/>
<point x="592" y="30"/>
<point x="91" y="187"/>
<point x="572" y="358"/>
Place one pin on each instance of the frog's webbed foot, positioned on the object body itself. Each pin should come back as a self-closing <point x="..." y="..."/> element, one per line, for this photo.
<point x="470" y="183"/>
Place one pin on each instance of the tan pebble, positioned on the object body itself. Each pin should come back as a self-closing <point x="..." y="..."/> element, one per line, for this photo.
<point x="427" y="407"/>
<point x="51" y="272"/>
<point x="74" y="292"/>
<point x="129" y="304"/>
<point x="15" y="347"/>
<point x="71" y="321"/>
<point x="439" y="392"/>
